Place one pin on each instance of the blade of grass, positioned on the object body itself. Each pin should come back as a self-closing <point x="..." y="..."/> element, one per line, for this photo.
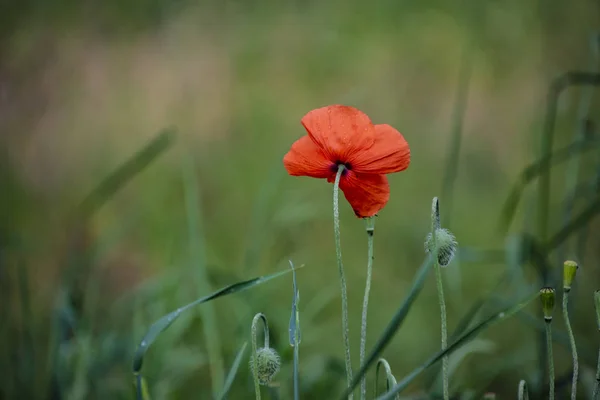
<point x="583" y="219"/>
<point x="536" y="169"/>
<point x="233" y="372"/>
<point x="582" y="130"/>
<point x="460" y="106"/>
<point x="467" y="336"/>
<point x="197" y="264"/>
<point x="560" y="84"/>
<point x="128" y="170"/>
<point x="393" y="325"/>
<point x="164" y="322"/>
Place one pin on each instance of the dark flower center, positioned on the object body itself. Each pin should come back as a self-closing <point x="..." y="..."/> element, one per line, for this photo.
<point x="334" y="167"/>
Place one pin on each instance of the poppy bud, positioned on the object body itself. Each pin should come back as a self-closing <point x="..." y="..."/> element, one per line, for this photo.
<point x="569" y="271"/>
<point x="547" y="296"/>
<point x="267" y="364"/>
<point x="597" y="304"/>
<point x="446" y="244"/>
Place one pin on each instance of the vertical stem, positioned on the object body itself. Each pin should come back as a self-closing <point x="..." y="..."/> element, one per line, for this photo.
<point x="440" y="289"/>
<point x="572" y="341"/>
<point x="338" y="252"/>
<point x="596" y="394"/>
<point x="255" y="349"/>
<point x="523" y="392"/>
<point x="548" y="323"/>
<point x="435" y="226"/>
<point x="370" y="228"/>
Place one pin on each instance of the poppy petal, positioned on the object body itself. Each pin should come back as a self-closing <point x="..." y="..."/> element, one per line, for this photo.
<point x="366" y="193"/>
<point x="340" y="131"/>
<point x="390" y="153"/>
<point x="305" y="158"/>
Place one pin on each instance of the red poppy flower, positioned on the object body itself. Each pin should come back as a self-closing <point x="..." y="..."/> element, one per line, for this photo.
<point x="344" y="135"/>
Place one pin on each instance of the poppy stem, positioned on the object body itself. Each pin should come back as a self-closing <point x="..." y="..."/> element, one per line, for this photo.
<point x="548" y="323"/>
<point x="370" y="228"/>
<point x="565" y="309"/>
<point x="254" y="358"/>
<point x="338" y="252"/>
<point x="435" y="227"/>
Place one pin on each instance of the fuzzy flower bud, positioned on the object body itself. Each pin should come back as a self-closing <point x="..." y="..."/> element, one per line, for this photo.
<point x="547" y="296"/>
<point x="268" y="364"/>
<point x="446" y="244"/>
<point x="569" y="271"/>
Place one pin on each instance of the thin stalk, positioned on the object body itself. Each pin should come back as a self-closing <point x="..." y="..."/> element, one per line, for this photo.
<point x="523" y="392"/>
<point x="370" y="228"/>
<point x="596" y="394"/>
<point x="565" y="310"/>
<point x="435" y="226"/>
<point x="550" y="357"/>
<point x="338" y="252"/>
<point x="254" y="329"/>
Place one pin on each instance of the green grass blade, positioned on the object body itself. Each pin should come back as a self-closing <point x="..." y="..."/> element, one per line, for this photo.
<point x="233" y="372"/>
<point x="581" y="220"/>
<point x="197" y="264"/>
<point x="164" y="322"/>
<point x="535" y="170"/>
<point x="464" y="338"/>
<point x="116" y="180"/>
<point x="393" y="325"/>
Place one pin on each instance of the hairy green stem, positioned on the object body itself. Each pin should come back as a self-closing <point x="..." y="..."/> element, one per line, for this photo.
<point x="565" y="309"/>
<point x="435" y="226"/>
<point x="440" y="289"/>
<point x="370" y="228"/>
<point x="550" y="357"/>
<point x="338" y="252"/>
<point x="596" y="394"/>
<point x="254" y="329"/>
<point x="523" y="392"/>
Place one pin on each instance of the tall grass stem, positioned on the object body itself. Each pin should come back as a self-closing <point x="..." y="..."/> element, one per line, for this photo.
<point x="550" y="358"/>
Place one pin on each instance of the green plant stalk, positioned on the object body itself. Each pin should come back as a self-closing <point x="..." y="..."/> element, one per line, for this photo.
<point x="523" y="392"/>
<point x="370" y="228"/>
<point x="565" y="310"/>
<point x="596" y="394"/>
<point x="550" y="357"/>
<point x="435" y="225"/>
<point x="255" y="350"/>
<point x="338" y="252"/>
<point x="440" y="290"/>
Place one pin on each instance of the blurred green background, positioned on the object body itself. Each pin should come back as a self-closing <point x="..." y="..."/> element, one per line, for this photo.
<point x="84" y="85"/>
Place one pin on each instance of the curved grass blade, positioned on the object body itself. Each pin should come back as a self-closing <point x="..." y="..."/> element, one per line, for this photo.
<point x="294" y="332"/>
<point x="470" y="334"/>
<point x="116" y="180"/>
<point x="538" y="168"/>
<point x="393" y="325"/>
<point x="233" y="372"/>
<point x="560" y="84"/>
<point x="163" y="323"/>
<point x="581" y="220"/>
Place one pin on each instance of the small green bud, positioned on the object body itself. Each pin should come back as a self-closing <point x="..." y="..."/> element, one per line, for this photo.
<point x="268" y="364"/>
<point x="446" y="244"/>
<point x="597" y="304"/>
<point x="569" y="271"/>
<point x="547" y="296"/>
